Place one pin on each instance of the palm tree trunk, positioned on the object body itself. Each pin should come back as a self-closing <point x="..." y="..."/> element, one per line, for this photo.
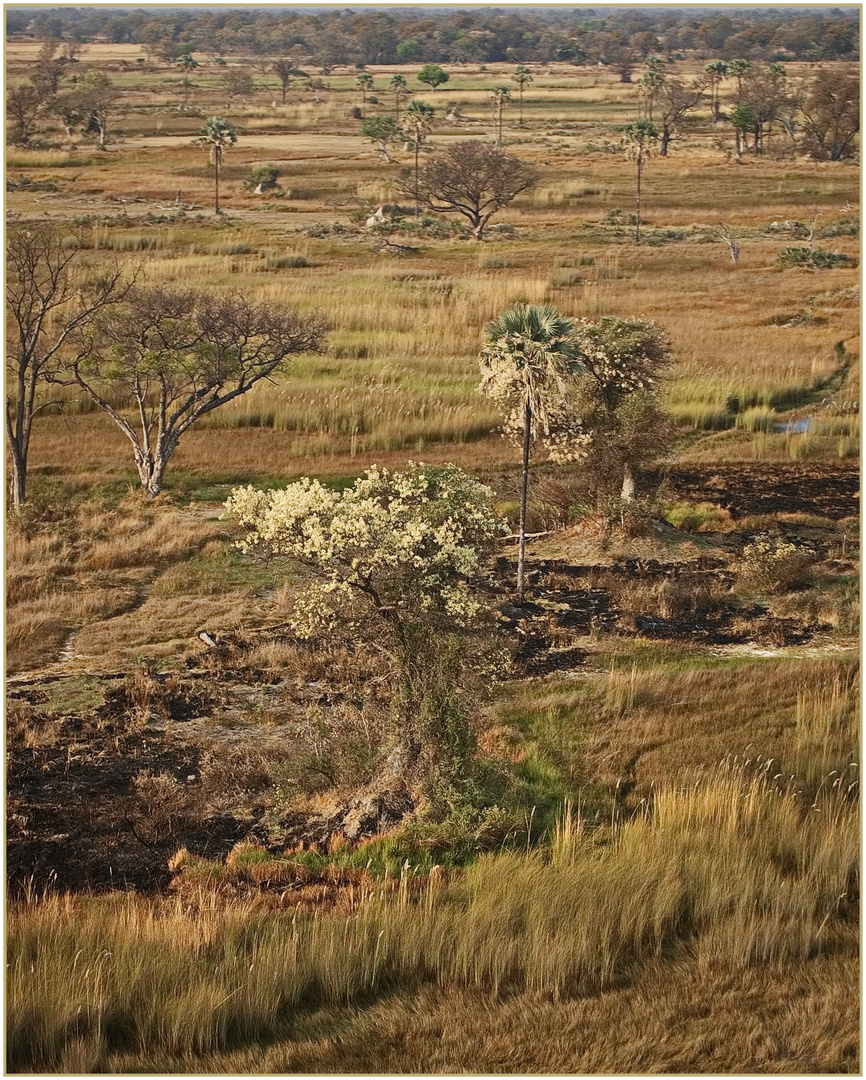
<point x="637" y="203"/>
<point x="216" y="182"/>
<point x="521" y="555"/>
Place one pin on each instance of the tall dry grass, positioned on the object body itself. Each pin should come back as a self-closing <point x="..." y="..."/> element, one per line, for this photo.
<point x="733" y="870"/>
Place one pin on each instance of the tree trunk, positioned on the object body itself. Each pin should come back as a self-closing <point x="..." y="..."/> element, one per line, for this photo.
<point x="151" y="470"/>
<point x="521" y="555"/>
<point x="478" y="230"/>
<point x="18" y="438"/>
<point x="627" y="485"/>
<point x="666" y="138"/>
<point x="417" y="150"/>
<point x="521" y="104"/>
<point x="637" y="203"/>
<point x="216" y="183"/>
<point x="19" y="480"/>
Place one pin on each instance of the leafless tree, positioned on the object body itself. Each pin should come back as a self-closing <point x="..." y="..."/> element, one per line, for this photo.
<point x="47" y="306"/>
<point x="473" y="179"/>
<point x="726" y="234"/>
<point x="237" y="82"/>
<point x="172" y="356"/>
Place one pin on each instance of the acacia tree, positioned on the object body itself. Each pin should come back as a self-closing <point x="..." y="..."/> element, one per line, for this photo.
<point x="46" y="305"/>
<point x="172" y="356"/>
<point x="675" y="99"/>
<point x="831" y="115"/>
<point x="639" y="138"/>
<point x="528" y="366"/>
<point x="392" y="560"/>
<point x="417" y="122"/>
<point x="623" y="363"/>
<point x="23" y="105"/>
<point x="381" y="130"/>
<point x="217" y="135"/>
<point x="522" y="76"/>
<point x="473" y="179"/>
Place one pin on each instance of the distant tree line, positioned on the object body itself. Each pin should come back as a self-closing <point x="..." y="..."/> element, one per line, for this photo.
<point x="621" y="38"/>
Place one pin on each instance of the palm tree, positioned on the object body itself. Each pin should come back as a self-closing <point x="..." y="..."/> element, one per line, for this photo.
<point x="417" y="121"/>
<point x="187" y="64"/>
<point x="640" y="138"/>
<point x="650" y="84"/>
<point x="365" y="83"/>
<point x="717" y="70"/>
<point x="522" y="75"/>
<point x="500" y="96"/>
<point x="528" y="362"/>
<point x="737" y="69"/>
<point x="401" y="89"/>
<point x="217" y="134"/>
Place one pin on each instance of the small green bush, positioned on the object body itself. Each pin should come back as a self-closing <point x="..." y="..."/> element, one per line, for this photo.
<point x="813" y="258"/>
<point x="266" y="175"/>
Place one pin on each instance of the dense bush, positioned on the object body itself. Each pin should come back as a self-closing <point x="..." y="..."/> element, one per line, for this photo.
<point x="773" y="565"/>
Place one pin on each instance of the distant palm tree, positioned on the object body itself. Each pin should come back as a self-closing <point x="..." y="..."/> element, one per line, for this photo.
<point x="417" y="122"/>
<point x="401" y="89"/>
<point x="500" y="96"/>
<point x="717" y="70"/>
<point x="522" y="75"/>
<point x="640" y="138"/>
<point x="217" y="134"/>
<point x="527" y="362"/>
<point x="365" y="83"/>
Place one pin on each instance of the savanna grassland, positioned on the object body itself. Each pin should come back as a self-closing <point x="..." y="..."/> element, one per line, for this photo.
<point x="661" y="873"/>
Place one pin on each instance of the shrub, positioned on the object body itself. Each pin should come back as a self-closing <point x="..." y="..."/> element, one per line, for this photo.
<point x="813" y="258"/>
<point x="698" y="517"/>
<point x="619" y="217"/>
<point x="266" y="175"/>
<point x="773" y="565"/>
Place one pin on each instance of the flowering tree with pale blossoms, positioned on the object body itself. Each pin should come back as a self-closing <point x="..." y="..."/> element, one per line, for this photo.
<point x="392" y="558"/>
<point x="529" y="367"/>
<point x="624" y="364"/>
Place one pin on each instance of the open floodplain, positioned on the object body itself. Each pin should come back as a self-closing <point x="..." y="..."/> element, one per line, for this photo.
<point x="651" y="861"/>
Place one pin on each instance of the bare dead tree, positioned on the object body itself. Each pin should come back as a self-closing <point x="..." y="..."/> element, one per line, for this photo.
<point x="47" y="306"/>
<point x="725" y="233"/>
